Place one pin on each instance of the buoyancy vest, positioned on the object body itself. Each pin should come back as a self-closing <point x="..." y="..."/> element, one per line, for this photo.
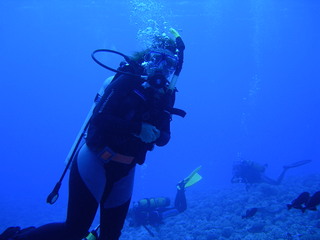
<point x="135" y="103"/>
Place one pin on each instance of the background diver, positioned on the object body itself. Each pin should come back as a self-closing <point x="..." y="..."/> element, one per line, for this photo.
<point x="250" y="172"/>
<point x="152" y="211"/>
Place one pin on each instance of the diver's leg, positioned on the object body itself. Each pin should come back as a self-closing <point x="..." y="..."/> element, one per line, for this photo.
<point x="180" y="201"/>
<point x="180" y="204"/>
<point x="277" y="181"/>
<point x="281" y="176"/>
<point x="112" y="220"/>
<point x="272" y="181"/>
<point x="268" y="180"/>
<point x="116" y="200"/>
<point x="82" y="207"/>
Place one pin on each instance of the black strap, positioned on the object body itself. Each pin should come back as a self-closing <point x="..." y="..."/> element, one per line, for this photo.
<point x="177" y="111"/>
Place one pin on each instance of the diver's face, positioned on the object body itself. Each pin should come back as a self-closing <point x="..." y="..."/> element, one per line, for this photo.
<point x="160" y="63"/>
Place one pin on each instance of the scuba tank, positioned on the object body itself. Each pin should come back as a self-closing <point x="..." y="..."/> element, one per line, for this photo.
<point x="149" y="203"/>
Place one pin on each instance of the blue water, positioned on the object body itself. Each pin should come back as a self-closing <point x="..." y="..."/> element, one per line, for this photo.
<point x="250" y="85"/>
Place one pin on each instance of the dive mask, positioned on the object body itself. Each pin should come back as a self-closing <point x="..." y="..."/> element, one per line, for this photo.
<point x="160" y="61"/>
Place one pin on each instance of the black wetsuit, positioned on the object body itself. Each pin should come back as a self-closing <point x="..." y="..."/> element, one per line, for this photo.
<point x="116" y="120"/>
<point x="120" y="112"/>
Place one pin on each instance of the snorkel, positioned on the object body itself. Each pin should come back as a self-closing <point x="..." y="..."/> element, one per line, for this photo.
<point x="180" y="48"/>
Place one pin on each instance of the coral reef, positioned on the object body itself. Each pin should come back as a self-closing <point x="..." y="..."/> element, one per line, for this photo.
<point x="216" y="215"/>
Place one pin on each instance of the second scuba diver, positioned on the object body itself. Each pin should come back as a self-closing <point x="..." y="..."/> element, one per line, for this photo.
<point x="249" y="172"/>
<point x="153" y="211"/>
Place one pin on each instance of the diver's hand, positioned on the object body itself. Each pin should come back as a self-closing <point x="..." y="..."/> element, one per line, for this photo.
<point x="149" y="133"/>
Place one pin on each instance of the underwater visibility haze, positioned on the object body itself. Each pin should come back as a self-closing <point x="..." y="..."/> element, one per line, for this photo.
<point x="250" y="85"/>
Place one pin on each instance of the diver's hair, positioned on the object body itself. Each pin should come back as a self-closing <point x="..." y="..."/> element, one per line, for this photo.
<point x="164" y="42"/>
<point x="139" y="56"/>
<point x="159" y="42"/>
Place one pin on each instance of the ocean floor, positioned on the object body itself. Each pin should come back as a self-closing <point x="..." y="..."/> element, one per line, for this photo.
<point x="211" y="215"/>
<point x="217" y="215"/>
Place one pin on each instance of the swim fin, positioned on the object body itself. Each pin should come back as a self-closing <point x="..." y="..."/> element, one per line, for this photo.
<point x="9" y="233"/>
<point x="297" y="164"/>
<point x="193" y="178"/>
<point x="12" y="232"/>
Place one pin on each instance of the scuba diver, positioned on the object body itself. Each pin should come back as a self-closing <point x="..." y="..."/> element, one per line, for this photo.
<point x="152" y="211"/>
<point x="249" y="172"/>
<point x="131" y="117"/>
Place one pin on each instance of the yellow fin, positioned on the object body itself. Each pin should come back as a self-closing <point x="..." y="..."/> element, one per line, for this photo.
<point x="193" y="178"/>
<point x="196" y="178"/>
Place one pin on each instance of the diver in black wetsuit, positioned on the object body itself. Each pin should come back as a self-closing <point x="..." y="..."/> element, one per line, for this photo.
<point x="133" y="116"/>
<point x="152" y="211"/>
<point x="249" y="172"/>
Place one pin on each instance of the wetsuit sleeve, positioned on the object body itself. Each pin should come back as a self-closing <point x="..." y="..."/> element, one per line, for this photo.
<point x="165" y="134"/>
<point x="165" y="120"/>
